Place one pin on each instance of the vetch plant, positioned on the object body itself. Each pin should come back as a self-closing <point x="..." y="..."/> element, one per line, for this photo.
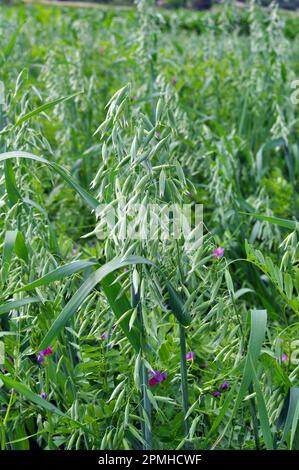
<point x="113" y="340"/>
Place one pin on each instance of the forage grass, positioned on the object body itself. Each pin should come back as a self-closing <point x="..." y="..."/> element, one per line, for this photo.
<point x="121" y="343"/>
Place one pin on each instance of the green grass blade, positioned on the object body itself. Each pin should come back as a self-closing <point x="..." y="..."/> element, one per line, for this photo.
<point x="10" y="183"/>
<point x="8" y="49"/>
<point x="257" y="335"/>
<point x="27" y="393"/>
<point x="73" y="305"/>
<point x="262" y="411"/>
<point x="57" y="274"/>
<point x="85" y="195"/>
<point x="16" y="304"/>
<point x="120" y="304"/>
<point x="291" y="421"/>
<point x="21" y="247"/>
<point x="8" y="247"/>
<point x="285" y="223"/>
<point x="177" y="305"/>
<point x="221" y="415"/>
<point x="42" y="108"/>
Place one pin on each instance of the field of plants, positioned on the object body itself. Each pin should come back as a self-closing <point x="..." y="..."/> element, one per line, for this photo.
<point x="122" y="343"/>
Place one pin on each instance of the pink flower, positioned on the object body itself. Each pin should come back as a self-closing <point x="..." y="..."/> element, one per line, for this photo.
<point x="190" y="356"/>
<point x="44" y="353"/>
<point x="47" y="352"/>
<point x="223" y="387"/>
<point x="156" y="377"/>
<point x="284" y="357"/>
<point x="218" y="252"/>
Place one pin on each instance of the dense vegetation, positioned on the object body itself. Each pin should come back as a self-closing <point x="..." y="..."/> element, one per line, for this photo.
<point x="104" y="350"/>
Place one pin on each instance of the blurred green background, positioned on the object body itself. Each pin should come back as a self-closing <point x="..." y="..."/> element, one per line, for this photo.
<point x="194" y="4"/>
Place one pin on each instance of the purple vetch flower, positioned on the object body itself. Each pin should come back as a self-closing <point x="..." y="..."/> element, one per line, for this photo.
<point x="284" y="357"/>
<point x="156" y="377"/>
<point x="44" y="353"/>
<point x="223" y="387"/>
<point x="174" y="81"/>
<point x="216" y="394"/>
<point x="75" y="250"/>
<point x="190" y="356"/>
<point x="104" y="336"/>
<point x="218" y="252"/>
<point x="44" y="396"/>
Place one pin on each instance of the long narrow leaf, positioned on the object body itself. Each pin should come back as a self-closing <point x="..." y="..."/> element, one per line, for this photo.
<point x="285" y="223"/>
<point x="19" y="387"/>
<point x="291" y="421"/>
<point x="257" y="335"/>
<point x="95" y="278"/>
<point x="44" y="107"/>
<point x="16" y="304"/>
<point x="8" y="247"/>
<point x="262" y="411"/>
<point x="85" y="195"/>
<point x="120" y="304"/>
<point x="57" y="274"/>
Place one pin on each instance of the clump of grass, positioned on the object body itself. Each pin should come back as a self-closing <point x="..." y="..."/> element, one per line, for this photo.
<point x="198" y="112"/>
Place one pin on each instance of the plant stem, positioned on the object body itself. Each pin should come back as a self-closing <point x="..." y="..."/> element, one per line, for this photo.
<point x="144" y="384"/>
<point x="145" y="411"/>
<point x="184" y="382"/>
<point x="255" y="423"/>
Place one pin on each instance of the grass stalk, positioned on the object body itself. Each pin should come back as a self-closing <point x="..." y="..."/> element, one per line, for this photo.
<point x="145" y="411"/>
<point x="184" y="381"/>
<point x="254" y="418"/>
